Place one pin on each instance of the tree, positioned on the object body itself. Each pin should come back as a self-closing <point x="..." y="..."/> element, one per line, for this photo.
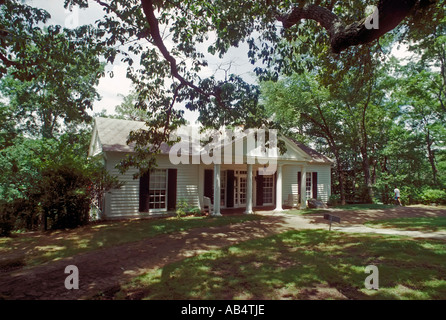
<point x="423" y="103"/>
<point x="304" y="106"/>
<point x="18" y="23"/>
<point x="60" y="88"/>
<point x="128" y="111"/>
<point x="49" y="179"/>
<point x="171" y="75"/>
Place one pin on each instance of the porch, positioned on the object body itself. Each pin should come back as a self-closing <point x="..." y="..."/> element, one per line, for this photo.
<point x="243" y="189"/>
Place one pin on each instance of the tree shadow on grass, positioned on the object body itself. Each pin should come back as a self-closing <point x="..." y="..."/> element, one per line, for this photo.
<point x="294" y="264"/>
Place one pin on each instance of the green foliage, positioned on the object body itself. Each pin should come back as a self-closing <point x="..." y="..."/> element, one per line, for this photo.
<point x="61" y="88"/>
<point x="127" y="109"/>
<point x="52" y="178"/>
<point x="19" y="214"/>
<point x="430" y="196"/>
<point x="199" y="28"/>
<point x="334" y="200"/>
<point x="64" y="196"/>
<point x="184" y="208"/>
<point x="6" y="220"/>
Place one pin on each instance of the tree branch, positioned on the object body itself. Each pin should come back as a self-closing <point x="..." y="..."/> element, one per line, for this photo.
<point x="8" y="62"/>
<point x="148" y="9"/>
<point x="342" y="36"/>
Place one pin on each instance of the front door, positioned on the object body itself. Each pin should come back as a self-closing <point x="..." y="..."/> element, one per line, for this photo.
<point x="240" y="188"/>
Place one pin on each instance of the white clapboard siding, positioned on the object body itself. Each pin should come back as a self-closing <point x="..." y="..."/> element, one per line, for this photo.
<point x="289" y="180"/>
<point x="125" y="201"/>
<point x="187" y="184"/>
<point x="323" y="180"/>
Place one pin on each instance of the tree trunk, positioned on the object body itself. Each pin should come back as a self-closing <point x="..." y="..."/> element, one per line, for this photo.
<point x="390" y="13"/>
<point x="385" y="196"/>
<point x="367" y="176"/>
<point x="431" y="156"/>
<point x="341" y="178"/>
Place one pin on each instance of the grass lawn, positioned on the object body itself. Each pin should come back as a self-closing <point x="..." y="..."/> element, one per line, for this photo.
<point x="418" y="223"/>
<point x="372" y="206"/>
<point x="30" y="249"/>
<point x="306" y="264"/>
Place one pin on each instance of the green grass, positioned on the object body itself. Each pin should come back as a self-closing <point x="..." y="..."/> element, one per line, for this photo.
<point x="418" y="223"/>
<point x="308" y="264"/>
<point x="30" y="249"/>
<point x="372" y="206"/>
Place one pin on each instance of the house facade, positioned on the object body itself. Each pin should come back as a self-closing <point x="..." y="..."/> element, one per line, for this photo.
<point x="298" y="174"/>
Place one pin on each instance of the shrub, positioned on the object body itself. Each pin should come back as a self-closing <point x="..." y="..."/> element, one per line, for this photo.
<point x="430" y="196"/>
<point x="64" y="197"/>
<point x="18" y="214"/>
<point x="334" y="200"/>
<point x="195" y="211"/>
<point x="6" y="221"/>
<point x="182" y="207"/>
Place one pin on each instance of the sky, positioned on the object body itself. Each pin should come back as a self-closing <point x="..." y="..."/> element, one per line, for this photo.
<point x="111" y="90"/>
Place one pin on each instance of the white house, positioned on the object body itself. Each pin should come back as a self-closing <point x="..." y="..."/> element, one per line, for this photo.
<point x="237" y="184"/>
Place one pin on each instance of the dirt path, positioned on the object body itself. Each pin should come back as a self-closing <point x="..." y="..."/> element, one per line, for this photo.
<point x="103" y="270"/>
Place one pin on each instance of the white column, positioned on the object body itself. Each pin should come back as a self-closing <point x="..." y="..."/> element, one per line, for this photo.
<point x="216" y="190"/>
<point x="303" y="187"/>
<point x="249" y="190"/>
<point x="279" y="189"/>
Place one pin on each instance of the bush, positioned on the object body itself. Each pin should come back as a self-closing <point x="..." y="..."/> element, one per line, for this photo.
<point x="334" y="200"/>
<point x="437" y="196"/>
<point x="18" y="214"/>
<point x="64" y="197"/>
<point x="184" y="209"/>
<point x="27" y="214"/>
<point x="6" y="221"/>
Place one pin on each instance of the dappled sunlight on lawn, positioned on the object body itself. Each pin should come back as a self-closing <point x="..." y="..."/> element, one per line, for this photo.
<point x="310" y="264"/>
<point x="38" y="248"/>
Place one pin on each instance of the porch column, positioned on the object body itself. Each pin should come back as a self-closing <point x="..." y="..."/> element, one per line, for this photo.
<point x="249" y="190"/>
<point x="303" y="187"/>
<point x="279" y="188"/>
<point x="216" y="190"/>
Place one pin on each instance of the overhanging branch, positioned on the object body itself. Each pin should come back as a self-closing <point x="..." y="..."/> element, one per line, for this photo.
<point x="342" y="36"/>
<point x="148" y="9"/>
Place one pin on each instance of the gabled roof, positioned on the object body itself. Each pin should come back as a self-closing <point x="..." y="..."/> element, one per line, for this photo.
<point x="112" y="134"/>
<point x="315" y="156"/>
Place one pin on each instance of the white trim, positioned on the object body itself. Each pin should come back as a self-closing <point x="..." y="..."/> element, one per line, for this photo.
<point x="249" y="190"/>
<point x="279" y="185"/>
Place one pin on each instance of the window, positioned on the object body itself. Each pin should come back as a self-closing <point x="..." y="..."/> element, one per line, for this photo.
<point x="223" y="188"/>
<point x="243" y="190"/>
<point x="158" y="189"/>
<point x="308" y="185"/>
<point x="268" y="185"/>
